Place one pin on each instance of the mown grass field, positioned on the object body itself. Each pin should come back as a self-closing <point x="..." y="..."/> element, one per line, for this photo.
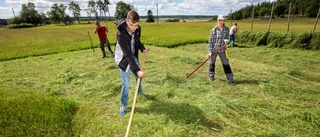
<point x="75" y="92"/>
<point x="52" y="39"/>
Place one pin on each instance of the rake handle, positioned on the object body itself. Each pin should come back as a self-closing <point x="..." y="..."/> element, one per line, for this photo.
<point x="214" y="53"/>
<point x="91" y="41"/>
<point x="135" y="97"/>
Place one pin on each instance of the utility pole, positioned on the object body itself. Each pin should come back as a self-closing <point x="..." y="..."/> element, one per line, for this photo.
<point x="231" y="17"/>
<point x="14" y="15"/>
<point x="157" y="15"/>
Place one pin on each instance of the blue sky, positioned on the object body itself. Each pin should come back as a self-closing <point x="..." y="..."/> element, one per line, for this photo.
<point x="165" y="7"/>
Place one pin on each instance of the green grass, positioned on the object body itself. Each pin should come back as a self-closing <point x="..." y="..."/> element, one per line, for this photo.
<point x="53" y="39"/>
<point x="269" y="99"/>
<point x="77" y="93"/>
<point x="35" y="114"/>
<point x="45" y="40"/>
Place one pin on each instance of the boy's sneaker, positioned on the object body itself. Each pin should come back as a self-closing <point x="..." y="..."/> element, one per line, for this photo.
<point x="122" y="110"/>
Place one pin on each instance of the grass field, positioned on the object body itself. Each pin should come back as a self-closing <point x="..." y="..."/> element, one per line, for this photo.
<point x="75" y="92"/>
<point x="55" y="39"/>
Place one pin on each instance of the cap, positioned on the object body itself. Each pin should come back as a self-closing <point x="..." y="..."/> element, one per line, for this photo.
<point x="220" y="17"/>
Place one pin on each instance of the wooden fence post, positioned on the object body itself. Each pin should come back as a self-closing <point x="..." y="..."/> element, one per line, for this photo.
<point x="315" y="24"/>
<point x="271" y="17"/>
<point x="252" y="19"/>
<point x="289" y="16"/>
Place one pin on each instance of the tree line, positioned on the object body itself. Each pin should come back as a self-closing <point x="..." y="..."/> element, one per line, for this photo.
<point x="303" y="8"/>
<point x="57" y="14"/>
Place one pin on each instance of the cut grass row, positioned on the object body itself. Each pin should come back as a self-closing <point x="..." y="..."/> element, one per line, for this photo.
<point x="55" y="39"/>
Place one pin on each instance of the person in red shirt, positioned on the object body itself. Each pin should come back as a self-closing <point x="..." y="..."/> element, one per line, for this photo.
<point x="102" y="34"/>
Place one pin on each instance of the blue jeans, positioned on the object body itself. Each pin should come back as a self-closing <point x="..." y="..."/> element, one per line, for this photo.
<point x="232" y="37"/>
<point x="125" y="76"/>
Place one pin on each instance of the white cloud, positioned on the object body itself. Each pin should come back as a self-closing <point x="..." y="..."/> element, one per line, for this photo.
<point x="165" y="7"/>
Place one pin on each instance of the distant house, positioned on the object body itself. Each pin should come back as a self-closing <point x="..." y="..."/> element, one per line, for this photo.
<point x="3" y="22"/>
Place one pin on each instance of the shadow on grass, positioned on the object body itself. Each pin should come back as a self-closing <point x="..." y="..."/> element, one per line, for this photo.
<point x="240" y="46"/>
<point x="182" y="113"/>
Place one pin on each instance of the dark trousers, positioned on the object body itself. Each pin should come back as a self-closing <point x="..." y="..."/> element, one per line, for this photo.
<point x="102" y="42"/>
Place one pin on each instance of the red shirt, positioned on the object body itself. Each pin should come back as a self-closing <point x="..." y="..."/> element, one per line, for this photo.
<point x="102" y="32"/>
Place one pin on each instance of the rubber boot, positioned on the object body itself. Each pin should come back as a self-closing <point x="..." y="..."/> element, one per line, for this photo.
<point x="211" y="72"/>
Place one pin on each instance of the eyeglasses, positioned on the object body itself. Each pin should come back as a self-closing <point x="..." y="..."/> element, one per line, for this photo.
<point x="220" y="20"/>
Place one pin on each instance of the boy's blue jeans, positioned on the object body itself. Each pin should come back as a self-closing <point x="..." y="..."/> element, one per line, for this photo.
<point x="125" y="76"/>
